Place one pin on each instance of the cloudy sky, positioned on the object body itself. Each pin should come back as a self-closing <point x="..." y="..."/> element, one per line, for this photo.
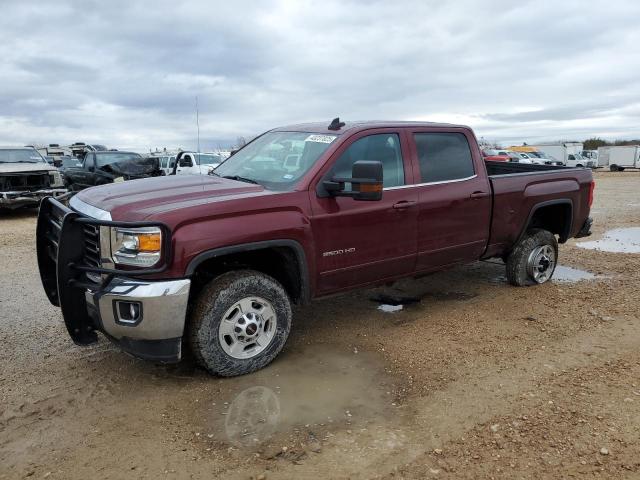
<point x="126" y="73"/>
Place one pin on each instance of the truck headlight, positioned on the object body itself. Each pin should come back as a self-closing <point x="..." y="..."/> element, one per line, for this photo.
<point x="136" y="246"/>
<point x="56" y="179"/>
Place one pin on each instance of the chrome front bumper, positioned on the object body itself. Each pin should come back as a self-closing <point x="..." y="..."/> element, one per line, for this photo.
<point x="22" y="198"/>
<point x="156" y="333"/>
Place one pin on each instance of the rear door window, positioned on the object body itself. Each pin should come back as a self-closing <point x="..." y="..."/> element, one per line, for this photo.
<point x="443" y="156"/>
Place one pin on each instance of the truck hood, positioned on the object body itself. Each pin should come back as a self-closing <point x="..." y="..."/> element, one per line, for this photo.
<point x="140" y="199"/>
<point x="25" y="167"/>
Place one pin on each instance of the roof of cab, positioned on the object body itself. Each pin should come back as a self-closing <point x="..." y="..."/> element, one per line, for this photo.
<point x="323" y="127"/>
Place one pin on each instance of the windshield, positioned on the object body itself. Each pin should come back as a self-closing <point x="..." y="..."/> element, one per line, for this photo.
<point x="20" y="155"/>
<point x="546" y="156"/>
<point x="70" y="161"/>
<point x="276" y="160"/>
<point x="208" y="159"/>
<point x="103" y="159"/>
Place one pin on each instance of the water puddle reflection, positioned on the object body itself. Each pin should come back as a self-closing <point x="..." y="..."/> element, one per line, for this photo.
<point x="564" y="274"/>
<point x="619" y="240"/>
<point x="305" y="390"/>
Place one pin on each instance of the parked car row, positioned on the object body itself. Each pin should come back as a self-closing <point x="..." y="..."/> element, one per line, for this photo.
<point x="567" y="154"/>
<point x="532" y="157"/>
<point x="28" y="174"/>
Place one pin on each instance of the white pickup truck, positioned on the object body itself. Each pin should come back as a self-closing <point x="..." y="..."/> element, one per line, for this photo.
<point x="192" y="163"/>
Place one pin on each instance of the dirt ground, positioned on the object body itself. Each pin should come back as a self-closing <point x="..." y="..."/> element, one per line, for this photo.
<point x="472" y="378"/>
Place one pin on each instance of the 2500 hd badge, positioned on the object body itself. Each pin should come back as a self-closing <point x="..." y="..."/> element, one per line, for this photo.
<point x="342" y="251"/>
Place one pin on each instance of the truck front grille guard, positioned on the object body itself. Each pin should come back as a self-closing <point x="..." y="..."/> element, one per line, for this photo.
<point x="68" y="246"/>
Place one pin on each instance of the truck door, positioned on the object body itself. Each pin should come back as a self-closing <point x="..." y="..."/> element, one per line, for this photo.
<point x="454" y="199"/>
<point x="358" y="242"/>
<point x="84" y="176"/>
<point x="185" y="164"/>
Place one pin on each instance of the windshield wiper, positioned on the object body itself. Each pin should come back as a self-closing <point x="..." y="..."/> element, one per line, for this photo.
<point x="239" y="178"/>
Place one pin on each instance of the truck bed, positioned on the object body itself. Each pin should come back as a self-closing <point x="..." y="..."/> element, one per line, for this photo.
<point x="510" y="168"/>
<point x="519" y="188"/>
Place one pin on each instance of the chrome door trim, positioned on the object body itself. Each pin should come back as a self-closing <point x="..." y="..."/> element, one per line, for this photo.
<point x="457" y="180"/>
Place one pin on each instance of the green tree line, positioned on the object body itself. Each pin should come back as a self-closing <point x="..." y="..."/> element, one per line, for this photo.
<point x="595" y="142"/>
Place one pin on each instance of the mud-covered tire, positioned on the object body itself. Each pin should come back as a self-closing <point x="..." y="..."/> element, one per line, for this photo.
<point x="216" y="298"/>
<point x="518" y="272"/>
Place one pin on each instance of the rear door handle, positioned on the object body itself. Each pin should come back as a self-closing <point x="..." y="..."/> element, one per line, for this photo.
<point x="403" y="204"/>
<point x="475" y="195"/>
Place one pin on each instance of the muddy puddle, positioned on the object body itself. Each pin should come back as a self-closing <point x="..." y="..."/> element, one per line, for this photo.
<point x="314" y="391"/>
<point x="618" y="240"/>
<point x="397" y="301"/>
<point x="562" y="274"/>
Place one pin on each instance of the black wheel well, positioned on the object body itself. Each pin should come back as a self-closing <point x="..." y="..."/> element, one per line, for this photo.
<point x="281" y="263"/>
<point x="556" y="218"/>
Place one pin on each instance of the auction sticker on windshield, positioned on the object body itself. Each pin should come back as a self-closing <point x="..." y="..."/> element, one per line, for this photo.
<point x="320" y="138"/>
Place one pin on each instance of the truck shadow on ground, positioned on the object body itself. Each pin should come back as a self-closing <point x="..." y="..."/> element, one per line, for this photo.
<point x="18" y="213"/>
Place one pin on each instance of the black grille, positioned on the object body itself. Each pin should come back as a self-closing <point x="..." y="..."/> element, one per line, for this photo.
<point x="24" y="182"/>
<point x="91" y="245"/>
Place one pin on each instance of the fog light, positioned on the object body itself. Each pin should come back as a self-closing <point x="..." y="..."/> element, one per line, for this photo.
<point x="128" y="313"/>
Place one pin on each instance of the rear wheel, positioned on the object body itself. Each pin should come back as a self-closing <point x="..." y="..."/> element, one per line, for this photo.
<point x="613" y="168"/>
<point x="534" y="258"/>
<point x="240" y="323"/>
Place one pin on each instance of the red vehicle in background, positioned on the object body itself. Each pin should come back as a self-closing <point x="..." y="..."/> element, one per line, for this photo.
<point x="215" y="262"/>
<point x="495" y="156"/>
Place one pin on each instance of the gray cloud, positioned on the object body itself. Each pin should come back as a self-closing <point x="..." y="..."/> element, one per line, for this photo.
<point x="127" y="73"/>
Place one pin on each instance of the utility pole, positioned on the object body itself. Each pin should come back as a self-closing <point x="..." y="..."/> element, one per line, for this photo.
<point x="198" y="123"/>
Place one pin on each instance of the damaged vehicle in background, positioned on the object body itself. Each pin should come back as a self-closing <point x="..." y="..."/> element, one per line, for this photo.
<point x="26" y="178"/>
<point x="100" y="168"/>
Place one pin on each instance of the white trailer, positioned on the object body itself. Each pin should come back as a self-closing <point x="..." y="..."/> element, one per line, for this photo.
<point x="568" y="153"/>
<point x="619" y="157"/>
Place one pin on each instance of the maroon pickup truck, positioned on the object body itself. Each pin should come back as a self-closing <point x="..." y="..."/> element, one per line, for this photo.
<point x="215" y="262"/>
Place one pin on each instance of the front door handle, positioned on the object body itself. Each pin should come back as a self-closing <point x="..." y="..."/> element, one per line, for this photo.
<point x="404" y="204"/>
<point x="476" y="195"/>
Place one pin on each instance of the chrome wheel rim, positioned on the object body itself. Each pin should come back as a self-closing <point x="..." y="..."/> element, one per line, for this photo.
<point x="541" y="264"/>
<point x="247" y="327"/>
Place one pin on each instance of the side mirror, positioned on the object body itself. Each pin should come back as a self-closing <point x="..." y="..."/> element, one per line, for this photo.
<point x="366" y="182"/>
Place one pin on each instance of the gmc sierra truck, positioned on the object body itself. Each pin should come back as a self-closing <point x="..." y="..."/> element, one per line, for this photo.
<point x="215" y="262"/>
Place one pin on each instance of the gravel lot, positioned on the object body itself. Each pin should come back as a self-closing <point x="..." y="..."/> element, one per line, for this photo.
<point x="471" y="379"/>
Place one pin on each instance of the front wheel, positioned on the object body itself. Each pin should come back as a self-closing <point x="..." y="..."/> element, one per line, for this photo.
<point x="534" y="258"/>
<point x="240" y="323"/>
